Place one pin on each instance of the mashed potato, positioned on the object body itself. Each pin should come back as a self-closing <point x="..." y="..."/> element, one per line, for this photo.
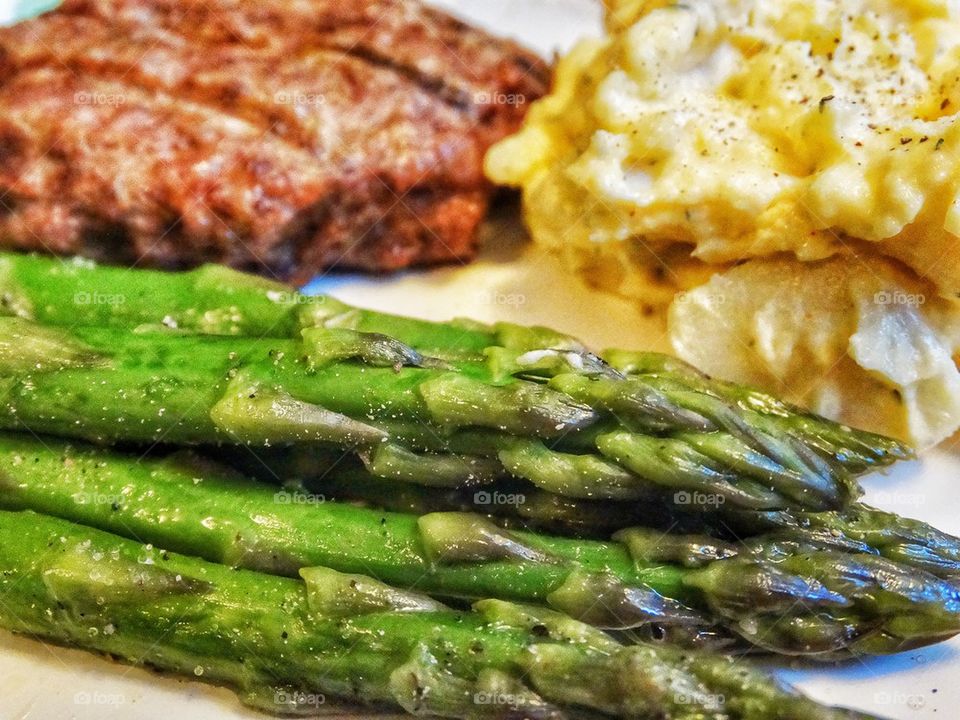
<point x="786" y="166"/>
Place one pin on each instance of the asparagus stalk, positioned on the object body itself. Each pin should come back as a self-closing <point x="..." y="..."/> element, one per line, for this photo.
<point x="516" y="503"/>
<point x="217" y="300"/>
<point x="212" y="299"/>
<point x="366" y="392"/>
<point x="284" y="644"/>
<point x="859" y="528"/>
<point x="787" y="598"/>
<point x="828" y="439"/>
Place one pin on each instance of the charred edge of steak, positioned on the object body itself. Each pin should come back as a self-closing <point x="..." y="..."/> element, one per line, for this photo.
<point x="63" y="229"/>
<point x="426" y="226"/>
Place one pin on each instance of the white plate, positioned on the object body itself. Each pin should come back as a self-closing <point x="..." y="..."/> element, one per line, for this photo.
<point x="510" y="282"/>
<point x="12" y="10"/>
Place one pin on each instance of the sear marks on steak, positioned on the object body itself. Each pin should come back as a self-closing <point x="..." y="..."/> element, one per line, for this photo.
<point x="280" y="136"/>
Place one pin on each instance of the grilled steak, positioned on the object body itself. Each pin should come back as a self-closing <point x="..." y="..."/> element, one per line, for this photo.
<point x="283" y="136"/>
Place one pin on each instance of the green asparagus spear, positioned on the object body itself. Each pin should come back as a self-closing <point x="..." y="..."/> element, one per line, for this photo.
<point x="787" y="598"/>
<point x="859" y="528"/>
<point x="212" y="299"/>
<point x="285" y="644"/>
<point x="217" y="300"/>
<point x="190" y="505"/>
<point x="517" y="504"/>
<point x="113" y="384"/>
<point x="828" y="439"/>
<point x="109" y="384"/>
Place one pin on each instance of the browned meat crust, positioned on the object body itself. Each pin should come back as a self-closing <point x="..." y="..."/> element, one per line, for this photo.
<point x="283" y="136"/>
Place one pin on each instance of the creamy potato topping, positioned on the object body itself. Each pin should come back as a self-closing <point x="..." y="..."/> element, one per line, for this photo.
<point x="816" y="138"/>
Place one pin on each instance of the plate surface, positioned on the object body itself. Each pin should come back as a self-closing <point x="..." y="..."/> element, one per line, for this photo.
<point x="515" y="282"/>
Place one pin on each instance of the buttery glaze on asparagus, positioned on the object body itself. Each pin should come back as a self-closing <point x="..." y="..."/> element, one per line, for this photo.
<point x="217" y="300"/>
<point x="857" y="528"/>
<point x="564" y="420"/>
<point x="285" y="644"/>
<point x="788" y="595"/>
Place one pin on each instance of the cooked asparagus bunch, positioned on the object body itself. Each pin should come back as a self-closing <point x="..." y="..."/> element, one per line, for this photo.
<point x="422" y="419"/>
<point x="789" y="597"/>
<point x="284" y="644"/>
<point x="217" y="300"/>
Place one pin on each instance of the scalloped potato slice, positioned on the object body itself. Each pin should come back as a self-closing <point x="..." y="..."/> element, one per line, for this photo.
<point x="854" y="338"/>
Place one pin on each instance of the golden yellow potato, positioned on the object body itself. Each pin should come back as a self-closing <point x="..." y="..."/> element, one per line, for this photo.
<point x="699" y="135"/>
